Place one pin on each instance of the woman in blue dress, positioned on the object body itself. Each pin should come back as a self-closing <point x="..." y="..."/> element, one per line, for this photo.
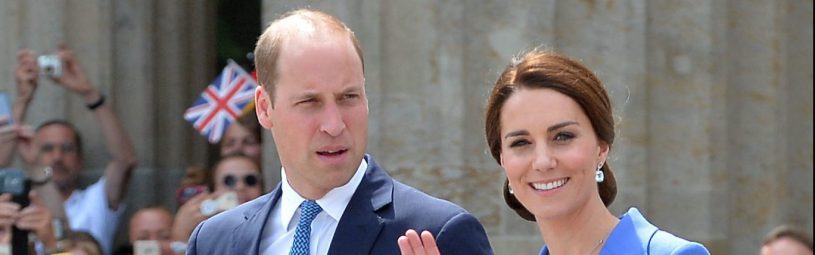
<point x="549" y="124"/>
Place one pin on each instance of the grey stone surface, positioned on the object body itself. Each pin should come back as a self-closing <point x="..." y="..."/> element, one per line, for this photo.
<point x="713" y="98"/>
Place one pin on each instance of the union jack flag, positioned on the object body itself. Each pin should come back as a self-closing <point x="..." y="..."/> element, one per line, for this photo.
<point x="223" y="101"/>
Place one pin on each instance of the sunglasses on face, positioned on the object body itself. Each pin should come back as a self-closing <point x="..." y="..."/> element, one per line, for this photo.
<point x="231" y="180"/>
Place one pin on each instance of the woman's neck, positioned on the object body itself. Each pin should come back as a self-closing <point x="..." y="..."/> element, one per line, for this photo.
<point x="581" y="232"/>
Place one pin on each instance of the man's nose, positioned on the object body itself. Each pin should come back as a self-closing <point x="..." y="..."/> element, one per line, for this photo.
<point x="56" y="154"/>
<point x="332" y="121"/>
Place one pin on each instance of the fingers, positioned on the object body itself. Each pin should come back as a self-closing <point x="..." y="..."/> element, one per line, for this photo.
<point x="9" y="211"/>
<point x="35" y="199"/>
<point x="429" y="243"/>
<point x="413" y="244"/>
<point x="25" y="132"/>
<point x="26" y="70"/>
<point x="404" y="245"/>
<point x="8" y="132"/>
<point x="34" y="217"/>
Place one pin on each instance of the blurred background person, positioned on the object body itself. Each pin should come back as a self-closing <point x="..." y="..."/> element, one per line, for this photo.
<point x="57" y="144"/>
<point x="236" y="173"/>
<point x="243" y="137"/>
<point x="152" y="224"/>
<point x="787" y="240"/>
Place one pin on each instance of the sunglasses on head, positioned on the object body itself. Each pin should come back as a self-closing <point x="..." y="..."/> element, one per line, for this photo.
<point x="231" y="180"/>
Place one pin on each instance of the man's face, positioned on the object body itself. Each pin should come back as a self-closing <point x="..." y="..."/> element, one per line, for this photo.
<point x="786" y="246"/>
<point x="239" y="140"/>
<point x="151" y="224"/>
<point x="319" y="113"/>
<point x="154" y="225"/>
<point x="56" y="146"/>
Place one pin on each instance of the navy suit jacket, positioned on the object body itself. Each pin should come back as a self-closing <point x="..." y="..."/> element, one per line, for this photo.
<point x="380" y="211"/>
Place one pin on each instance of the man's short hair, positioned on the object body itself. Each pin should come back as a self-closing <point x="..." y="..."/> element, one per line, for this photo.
<point x="786" y="231"/>
<point x="68" y="125"/>
<point x="291" y="23"/>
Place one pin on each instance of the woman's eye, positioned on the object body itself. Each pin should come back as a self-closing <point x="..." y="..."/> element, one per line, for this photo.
<point x="518" y="143"/>
<point x="564" y="136"/>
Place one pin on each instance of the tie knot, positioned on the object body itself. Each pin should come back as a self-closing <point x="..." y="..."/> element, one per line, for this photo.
<point x="309" y="209"/>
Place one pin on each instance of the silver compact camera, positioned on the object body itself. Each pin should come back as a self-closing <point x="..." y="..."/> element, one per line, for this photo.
<point x="50" y="65"/>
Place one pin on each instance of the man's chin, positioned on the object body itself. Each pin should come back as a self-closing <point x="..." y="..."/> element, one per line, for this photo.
<point x="65" y="185"/>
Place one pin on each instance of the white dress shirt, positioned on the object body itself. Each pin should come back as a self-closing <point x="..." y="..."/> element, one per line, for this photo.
<point x="278" y="234"/>
<point x="88" y="210"/>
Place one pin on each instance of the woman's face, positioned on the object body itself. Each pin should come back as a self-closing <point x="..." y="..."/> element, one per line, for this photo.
<point x="550" y="152"/>
<point x="239" y="140"/>
<point x="239" y="175"/>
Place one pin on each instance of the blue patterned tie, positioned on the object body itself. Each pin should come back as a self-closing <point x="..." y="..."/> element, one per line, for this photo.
<point x="308" y="210"/>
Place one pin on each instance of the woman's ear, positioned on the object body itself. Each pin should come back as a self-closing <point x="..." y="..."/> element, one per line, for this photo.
<point x="263" y="107"/>
<point x="604" y="149"/>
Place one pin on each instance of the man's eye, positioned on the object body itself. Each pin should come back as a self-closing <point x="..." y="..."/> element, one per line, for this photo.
<point x="47" y="148"/>
<point x="349" y="97"/>
<point x="307" y="101"/>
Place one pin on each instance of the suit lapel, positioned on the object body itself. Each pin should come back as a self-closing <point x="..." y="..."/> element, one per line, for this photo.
<point x="246" y="237"/>
<point x="360" y="224"/>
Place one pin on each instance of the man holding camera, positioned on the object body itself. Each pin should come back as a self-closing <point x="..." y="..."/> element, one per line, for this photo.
<point x="57" y="145"/>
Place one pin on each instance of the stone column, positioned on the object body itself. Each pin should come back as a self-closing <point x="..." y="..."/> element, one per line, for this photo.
<point x="684" y="104"/>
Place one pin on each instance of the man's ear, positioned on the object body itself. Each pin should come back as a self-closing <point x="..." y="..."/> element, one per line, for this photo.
<point x="263" y="107"/>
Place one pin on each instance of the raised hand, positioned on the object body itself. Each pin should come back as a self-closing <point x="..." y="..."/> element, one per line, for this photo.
<point x="412" y="244"/>
<point x="26" y="73"/>
<point x="73" y="77"/>
<point x="11" y="135"/>
<point x="189" y="215"/>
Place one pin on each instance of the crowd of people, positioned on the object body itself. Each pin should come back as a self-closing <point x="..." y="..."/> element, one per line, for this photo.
<point x="64" y="217"/>
<point x="548" y="123"/>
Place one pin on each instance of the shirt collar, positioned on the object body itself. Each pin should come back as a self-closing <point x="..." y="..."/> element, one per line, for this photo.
<point x="333" y="203"/>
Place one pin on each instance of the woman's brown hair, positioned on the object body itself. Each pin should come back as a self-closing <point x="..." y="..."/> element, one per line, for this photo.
<point x="544" y="69"/>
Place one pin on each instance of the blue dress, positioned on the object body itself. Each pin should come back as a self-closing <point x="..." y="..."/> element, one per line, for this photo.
<point x="635" y="235"/>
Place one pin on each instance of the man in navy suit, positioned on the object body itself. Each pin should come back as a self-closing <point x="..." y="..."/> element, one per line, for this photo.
<point x="333" y="198"/>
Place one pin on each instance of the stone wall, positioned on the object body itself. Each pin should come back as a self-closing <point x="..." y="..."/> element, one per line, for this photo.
<point x="713" y="98"/>
<point x="713" y="102"/>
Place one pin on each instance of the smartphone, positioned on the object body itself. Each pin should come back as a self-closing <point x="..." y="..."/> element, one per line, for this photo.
<point x="146" y="247"/>
<point x="6" y="117"/>
<point x="184" y="194"/>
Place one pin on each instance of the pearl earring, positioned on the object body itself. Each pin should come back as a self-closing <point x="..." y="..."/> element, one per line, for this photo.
<point x="599" y="176"/>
